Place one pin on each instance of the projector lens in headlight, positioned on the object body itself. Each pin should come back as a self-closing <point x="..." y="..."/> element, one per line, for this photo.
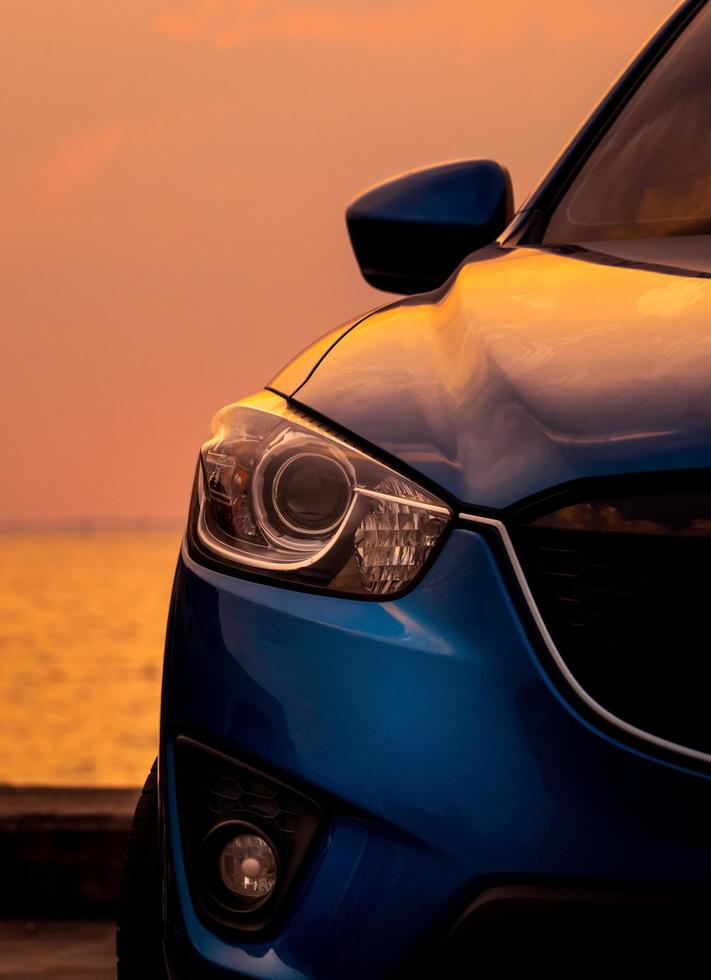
<point x="281" y="495"/>
<point x="311" y="493"/>
<point x="248" y="867"/>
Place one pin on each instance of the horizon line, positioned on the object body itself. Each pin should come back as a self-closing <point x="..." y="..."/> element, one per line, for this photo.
<point x="91" y="525"/>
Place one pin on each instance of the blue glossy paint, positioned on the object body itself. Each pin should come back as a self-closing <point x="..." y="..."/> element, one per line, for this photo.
<point x="445" y="757"/>
<point x="454" y="759"/>
<point x="531" y="369"/>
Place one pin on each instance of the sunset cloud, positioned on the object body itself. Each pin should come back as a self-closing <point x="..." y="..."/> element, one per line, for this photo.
<point x="75" y="164"/>
<point x="226" y="23"/>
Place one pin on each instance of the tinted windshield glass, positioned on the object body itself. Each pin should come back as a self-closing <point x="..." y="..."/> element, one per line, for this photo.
<point x="650" y="177"/>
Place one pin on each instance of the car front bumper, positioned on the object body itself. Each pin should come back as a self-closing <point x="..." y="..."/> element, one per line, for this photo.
<point x="447" y="761"/>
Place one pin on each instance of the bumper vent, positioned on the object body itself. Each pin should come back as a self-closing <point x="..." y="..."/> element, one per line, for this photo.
<point x="238" y="794"/>
<point x="624" y="588"/>
<point x="219" y="798"/>
<point x="552" y="929"/>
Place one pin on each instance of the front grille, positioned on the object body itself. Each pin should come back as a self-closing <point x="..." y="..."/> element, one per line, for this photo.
<point x="625" y="592"/>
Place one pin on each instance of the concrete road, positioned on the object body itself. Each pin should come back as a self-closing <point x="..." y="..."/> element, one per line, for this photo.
<point x="57" y="950"/>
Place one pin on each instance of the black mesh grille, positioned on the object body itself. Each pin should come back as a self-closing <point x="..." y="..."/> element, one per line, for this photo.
<point x="630" y="613"/>
<point x="238" y="795"/>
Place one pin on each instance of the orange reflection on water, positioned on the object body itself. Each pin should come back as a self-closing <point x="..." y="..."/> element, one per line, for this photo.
<point x="82" y="622"/>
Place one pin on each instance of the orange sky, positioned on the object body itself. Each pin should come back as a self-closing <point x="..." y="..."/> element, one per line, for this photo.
<point x="173" y="180"/>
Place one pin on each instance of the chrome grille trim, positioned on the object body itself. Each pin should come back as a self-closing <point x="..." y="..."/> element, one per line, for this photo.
<point x="591" y="703"/>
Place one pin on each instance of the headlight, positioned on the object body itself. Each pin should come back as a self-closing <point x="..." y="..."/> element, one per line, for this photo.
<point x="279" y="494"/>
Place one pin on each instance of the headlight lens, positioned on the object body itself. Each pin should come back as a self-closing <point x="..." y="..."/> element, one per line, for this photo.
<point x="281" y="495"/>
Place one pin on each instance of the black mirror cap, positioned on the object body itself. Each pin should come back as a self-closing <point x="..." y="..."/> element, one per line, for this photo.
<point x="410" y="233"/>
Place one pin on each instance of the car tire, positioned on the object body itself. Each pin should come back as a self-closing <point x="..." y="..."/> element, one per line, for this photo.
<point x="139" y="953"/>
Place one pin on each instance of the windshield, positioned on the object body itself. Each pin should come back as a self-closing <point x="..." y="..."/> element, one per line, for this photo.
<point x="650" y="175"/>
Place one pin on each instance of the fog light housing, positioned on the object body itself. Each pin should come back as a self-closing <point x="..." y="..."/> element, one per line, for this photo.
<point x="224" y="804"/>
<point x="248" y="867"/>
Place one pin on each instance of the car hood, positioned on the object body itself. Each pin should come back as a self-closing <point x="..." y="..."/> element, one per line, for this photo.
<point x="530" y="369"/>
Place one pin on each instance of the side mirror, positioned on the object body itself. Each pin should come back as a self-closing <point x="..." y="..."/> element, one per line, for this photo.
<point x="410" y="234"/>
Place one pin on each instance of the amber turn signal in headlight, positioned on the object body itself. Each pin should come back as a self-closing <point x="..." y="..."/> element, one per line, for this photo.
<point x="282" y="495"/>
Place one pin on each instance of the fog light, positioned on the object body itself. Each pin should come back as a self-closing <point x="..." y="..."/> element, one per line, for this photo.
<point x="248" y="867"/>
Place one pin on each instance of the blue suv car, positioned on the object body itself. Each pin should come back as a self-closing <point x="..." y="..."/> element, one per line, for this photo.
<point x="438" y="665"/>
